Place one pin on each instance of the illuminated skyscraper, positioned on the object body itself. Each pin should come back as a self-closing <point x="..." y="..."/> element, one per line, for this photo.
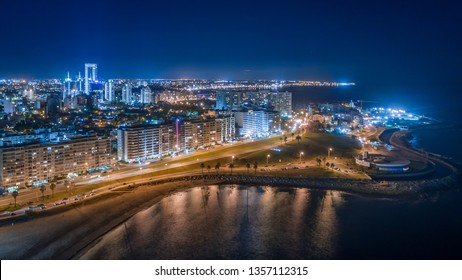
<point x="281" y="102"/>
<point x="228" y="100"/>
<point x="109" y="91"/>
<point x="88" y="78"/>
<point x="127" y="94"/>
<point x="255" y="124"/>
<point x="146" y="95"/>
<point x="79" y="82"/>
<point x="67" y="86"/>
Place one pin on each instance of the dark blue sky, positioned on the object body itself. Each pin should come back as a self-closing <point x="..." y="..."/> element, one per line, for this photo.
<point x="405" y="50"/>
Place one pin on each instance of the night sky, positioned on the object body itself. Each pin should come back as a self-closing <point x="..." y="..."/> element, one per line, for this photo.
<point x="405" y="51"/>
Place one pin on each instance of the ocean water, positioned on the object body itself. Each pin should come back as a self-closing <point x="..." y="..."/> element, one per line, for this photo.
<point x="445" y="141"/>
<point x="239" y="222"/>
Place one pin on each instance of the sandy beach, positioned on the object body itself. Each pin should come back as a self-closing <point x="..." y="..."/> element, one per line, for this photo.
<point x="62" y="235"/>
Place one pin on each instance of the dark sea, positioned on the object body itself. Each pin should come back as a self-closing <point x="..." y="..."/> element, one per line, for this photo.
<point x="445" y="141"/>
<point x="271" y="222"/>
<point x="240" y="222"/>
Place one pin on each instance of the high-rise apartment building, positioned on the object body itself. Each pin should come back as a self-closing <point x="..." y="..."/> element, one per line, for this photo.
<point x="281" y="102"/>
<point x="33" y="164"/>
<point x="228" y="100"/>
<point x="264" y="99"/>
<point x="109" y="91"/>
<point x="146" y="95"/>
<point x="138" y="143"/>
<point x="256" y="124"/>
<point x="90" y="76"/>
<point x="143" y="142"/>
<point x="127" y="94"/>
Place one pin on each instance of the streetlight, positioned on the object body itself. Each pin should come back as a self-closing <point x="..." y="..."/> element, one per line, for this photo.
<point x="267" y="159"/>
<point x="232" y="159"/>
<point x="301" y="154"/>
<point x="328" y="153"/>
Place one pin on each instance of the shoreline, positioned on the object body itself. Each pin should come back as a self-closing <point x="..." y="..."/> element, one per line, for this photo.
<point x="230" y="180"/>
<point x="82" y="230"/>
<point x="400" y="139"/>
<point x="113" y="211"/>
<point x="64" y="234"/>
<point x="85" y="245"/>
<point x="410" y="135"/>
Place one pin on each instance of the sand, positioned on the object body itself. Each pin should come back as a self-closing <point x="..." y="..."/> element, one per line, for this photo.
<point x="63" y="235"/>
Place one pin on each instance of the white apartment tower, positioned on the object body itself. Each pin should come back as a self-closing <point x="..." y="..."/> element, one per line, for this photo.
<point x="146" y="95"/>
<point x="109" y="91"/>
<point x="254" y="124"/>
<point x="127" y="94"/>
<point x="88" y="78"/>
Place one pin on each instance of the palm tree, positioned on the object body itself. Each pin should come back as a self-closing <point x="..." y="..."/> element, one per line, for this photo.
<point x="52" y="188"/>
<point x="208" y="168"/>
<point x="318" y="160"/>
<point x="285" y="139"/>
<point x="255" y="166"/>
<point x="231" y="166"/>
<point x="42" y="189"/>
<point x="248" y="166"/>
<point x="298" y="138"/>
<point x="15" y="194"/>
<point x="202" y="167"/>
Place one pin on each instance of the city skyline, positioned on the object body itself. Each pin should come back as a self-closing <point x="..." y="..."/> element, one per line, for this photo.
<point x="408" y="52"/>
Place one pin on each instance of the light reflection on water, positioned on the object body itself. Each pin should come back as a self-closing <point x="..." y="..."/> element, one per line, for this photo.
<point x="236" y="222"/>
<point x="227" y="222"/>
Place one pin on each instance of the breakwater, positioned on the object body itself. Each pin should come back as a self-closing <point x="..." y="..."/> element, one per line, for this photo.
<point x="392" y="188"/>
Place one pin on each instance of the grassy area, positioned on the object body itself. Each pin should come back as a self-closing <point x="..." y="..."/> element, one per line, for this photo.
<point x="237" y="149"/>
<point x="313" y="172"/>
<point x="312" y="144"/>
<point x="9" y="207"/>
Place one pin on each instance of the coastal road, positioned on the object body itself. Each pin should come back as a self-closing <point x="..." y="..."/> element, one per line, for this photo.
<point x="390" y="137"/>
<point x="34" y="195"/>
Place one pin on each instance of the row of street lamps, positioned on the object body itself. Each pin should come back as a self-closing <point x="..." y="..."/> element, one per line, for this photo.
<point x="301" y="154"/>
